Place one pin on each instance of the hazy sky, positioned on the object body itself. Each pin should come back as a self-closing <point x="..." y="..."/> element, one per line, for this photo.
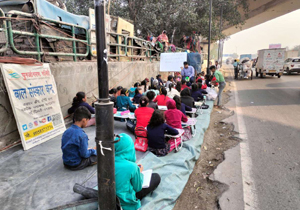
<point x="284" y="30"/>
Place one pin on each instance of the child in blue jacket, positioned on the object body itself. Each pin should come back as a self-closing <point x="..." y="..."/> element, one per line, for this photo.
<point x="74" y="143"/>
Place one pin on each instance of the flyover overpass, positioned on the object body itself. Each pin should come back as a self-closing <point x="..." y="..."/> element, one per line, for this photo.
<point x="261" y="11"/>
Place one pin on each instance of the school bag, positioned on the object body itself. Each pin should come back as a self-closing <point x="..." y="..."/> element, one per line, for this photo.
<point x="175" y="144"/>
<point x="141" y="141"/>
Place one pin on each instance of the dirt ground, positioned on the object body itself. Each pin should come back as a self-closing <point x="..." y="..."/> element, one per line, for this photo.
<point x="200" y="192"/>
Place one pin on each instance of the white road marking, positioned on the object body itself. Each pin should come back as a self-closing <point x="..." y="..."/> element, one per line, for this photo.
<point x="250" y="195"/>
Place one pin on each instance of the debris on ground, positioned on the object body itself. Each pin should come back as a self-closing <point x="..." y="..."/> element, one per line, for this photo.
<point x="202" y="191"/>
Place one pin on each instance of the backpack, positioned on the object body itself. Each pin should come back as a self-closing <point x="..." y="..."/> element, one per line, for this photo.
<point x="141" y="141"/>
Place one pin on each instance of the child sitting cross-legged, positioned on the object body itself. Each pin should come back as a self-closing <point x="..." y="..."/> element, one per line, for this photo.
<point x="123" y="101"/>
<point x="157" y="128"/>
<point x="151" y="95"/>
<point x="162" y="99"/>
<point x="74" y="143"/>
<point x="173" y="116"/>
<point x="81" y="100"/>
<point x="181" y="106"/>
<point x="129" y="177"/>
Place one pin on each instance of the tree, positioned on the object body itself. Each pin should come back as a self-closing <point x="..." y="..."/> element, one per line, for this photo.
<point x="153" y="16"/>
<point x="79" y="7"/>
<point x="182" y="16"/>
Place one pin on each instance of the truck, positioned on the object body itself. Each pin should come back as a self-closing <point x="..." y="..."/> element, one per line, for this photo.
<point x="270" y="62"/>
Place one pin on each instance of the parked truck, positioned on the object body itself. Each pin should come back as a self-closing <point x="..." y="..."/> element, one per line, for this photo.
<point x="270" y="62"/>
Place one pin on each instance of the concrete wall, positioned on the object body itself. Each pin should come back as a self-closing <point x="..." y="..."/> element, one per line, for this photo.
<point x="70" y="78"/>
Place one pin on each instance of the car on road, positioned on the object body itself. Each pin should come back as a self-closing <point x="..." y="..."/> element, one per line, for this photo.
<point x="292" y="65"/>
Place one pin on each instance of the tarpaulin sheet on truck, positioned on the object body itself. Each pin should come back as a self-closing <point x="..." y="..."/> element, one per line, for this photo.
<point x="194" y="59"/>
<point x="48" y="10"/>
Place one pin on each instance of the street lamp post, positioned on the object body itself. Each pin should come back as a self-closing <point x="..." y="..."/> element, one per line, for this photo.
<point x="220" y="31"/>
<point x="104" y="120"/>
<point x="209" y="37"/>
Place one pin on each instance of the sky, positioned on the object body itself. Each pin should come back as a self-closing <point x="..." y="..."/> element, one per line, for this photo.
<point x="284" y="30"/>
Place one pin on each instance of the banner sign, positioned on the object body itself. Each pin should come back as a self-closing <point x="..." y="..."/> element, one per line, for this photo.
<point x="172" y="61"/>
<point x="34" y="100"/>
<point x="273" y="46"/>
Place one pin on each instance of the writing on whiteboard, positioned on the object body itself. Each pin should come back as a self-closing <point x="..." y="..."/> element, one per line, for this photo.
<point x="172" y="61"/>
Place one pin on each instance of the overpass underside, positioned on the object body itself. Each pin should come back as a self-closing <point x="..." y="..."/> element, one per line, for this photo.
<point x="261" y="11"/>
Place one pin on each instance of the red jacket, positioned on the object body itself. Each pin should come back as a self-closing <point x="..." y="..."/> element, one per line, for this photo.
<point x="143" y="116"/>
<point x="161" y="100"/>
<point x="184" y="86"/>
<point x="213" y="80"/>
<point x="174" y="116"/>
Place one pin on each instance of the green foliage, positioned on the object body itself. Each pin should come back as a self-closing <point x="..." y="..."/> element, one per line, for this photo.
<point x="79" y="7"/>
<point x="183" y="16"/>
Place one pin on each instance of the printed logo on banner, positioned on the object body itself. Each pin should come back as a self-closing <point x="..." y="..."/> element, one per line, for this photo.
<point x="24" y="127"/>
<point x="38" y="131"/>
<point x="30" y="125"/>
<point x="36" y="123"/>
<point x="13" y="74"/>
<point x="43" y="120"/>
<point x="49" y="119"/>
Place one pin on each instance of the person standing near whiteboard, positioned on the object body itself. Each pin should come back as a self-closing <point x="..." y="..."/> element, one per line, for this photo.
<point x="188" y="71"/>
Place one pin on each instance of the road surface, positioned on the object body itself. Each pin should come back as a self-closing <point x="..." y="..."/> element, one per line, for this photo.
<point x="268" y="115"/>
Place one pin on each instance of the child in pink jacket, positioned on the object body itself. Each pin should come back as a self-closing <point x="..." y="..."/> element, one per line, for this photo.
<point x="173" y="116"/>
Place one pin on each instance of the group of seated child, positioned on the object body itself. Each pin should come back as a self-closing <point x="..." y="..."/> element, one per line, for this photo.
<point x="174" y="94"/>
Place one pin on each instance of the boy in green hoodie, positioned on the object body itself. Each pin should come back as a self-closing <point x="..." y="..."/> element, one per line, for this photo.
<point x="128" y="175"/>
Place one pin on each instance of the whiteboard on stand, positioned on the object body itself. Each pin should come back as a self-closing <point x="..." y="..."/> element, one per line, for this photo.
<point x="170" y="62"/>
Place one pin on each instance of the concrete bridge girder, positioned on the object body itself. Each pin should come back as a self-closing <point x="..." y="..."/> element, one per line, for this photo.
<point x="261" y="11"/>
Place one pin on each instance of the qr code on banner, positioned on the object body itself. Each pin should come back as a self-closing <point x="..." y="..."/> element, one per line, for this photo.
<point x="56" y="119"/>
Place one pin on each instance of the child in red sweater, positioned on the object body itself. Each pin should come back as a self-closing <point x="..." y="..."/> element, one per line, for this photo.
<point x="143" y="114"/>
<point x="162" y="99"/>
<point x="173" y="115"/>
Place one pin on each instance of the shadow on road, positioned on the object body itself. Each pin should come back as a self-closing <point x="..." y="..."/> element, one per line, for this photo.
<point x="285" y="84"/>
<point x="269" y="97"/>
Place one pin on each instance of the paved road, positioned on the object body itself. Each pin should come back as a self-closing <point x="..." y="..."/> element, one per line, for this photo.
<point x="270" y="108"/>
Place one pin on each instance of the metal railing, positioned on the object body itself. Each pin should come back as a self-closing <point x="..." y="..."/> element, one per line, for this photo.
<point x="118" y="46"/>
<point x="3" y="29"/>
<point x="124" y="46"/>
<point x="37" y="36"/>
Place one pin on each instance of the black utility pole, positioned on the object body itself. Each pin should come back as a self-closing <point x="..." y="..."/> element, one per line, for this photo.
<point x="104" y="119"/>
<point x="209" y="37"/>
<point x="220" y="31"/>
